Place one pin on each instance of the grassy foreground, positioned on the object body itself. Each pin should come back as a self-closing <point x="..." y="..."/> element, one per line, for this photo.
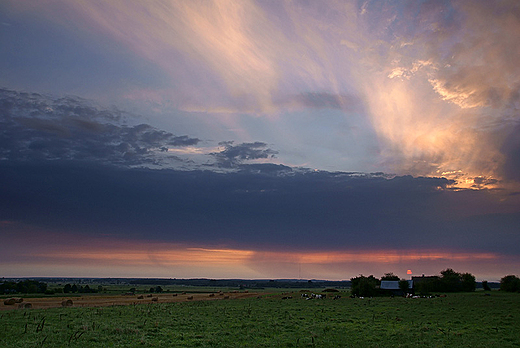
<point x="459" y="320"/>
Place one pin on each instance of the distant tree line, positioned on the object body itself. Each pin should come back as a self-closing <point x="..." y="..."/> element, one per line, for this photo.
<point x="79" y="289"/>
<point x="23" y="287"/>
<point x="244" y="283"/>
<point x="447" y="281"/>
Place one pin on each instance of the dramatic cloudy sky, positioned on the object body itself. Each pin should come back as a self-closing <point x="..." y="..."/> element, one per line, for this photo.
<point x="259" y="139"/>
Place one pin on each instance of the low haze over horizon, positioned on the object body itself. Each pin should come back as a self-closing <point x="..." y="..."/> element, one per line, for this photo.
<point x="259" y="139"/>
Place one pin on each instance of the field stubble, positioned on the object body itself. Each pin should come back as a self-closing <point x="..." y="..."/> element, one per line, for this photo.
<point x="459" y="320"/>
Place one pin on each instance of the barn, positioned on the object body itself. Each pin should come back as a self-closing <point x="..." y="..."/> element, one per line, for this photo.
<point x="392" y="287"/>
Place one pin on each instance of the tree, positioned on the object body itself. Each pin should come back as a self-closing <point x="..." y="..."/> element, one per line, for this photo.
<point x="510" y="283"/>
<point x="468" y="282"/>
<point x="485" y="286"/>
<point x="426" y="286"/>
<point x="364" y="286"/>
<point x="450" y="280"/>
<point x="389" y="276"/>
<point x="74" y="288"/>
<point x="404" y="285"/>
<point x="67" y="288"/>
<point x="31" y="287"/>
<point x="7" y="288"/>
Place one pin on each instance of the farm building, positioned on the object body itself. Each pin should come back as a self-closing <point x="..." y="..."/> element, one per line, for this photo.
<point x="424" y="278"/>
<point x="392" y="287"/>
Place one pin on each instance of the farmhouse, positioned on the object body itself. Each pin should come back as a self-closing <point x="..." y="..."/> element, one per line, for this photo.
<point x="392" y="287"/>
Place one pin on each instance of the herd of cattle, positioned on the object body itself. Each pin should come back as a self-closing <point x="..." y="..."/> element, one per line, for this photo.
<point x="312" y="296"/>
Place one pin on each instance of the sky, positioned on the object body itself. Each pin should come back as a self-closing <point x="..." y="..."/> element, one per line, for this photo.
<point x="259" y="139"/>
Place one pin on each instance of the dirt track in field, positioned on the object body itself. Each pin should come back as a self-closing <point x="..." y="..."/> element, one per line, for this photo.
<point x="121" y="300"/>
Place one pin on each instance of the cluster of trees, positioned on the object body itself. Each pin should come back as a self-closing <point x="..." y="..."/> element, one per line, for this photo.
<point x="23" y="287"/>
<point x="80" y="289"/>
<point x="510" y="283"/>
<point x="448" y="281"/>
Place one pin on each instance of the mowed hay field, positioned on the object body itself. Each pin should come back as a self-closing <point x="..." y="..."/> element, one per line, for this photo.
<point x="99" y="300"/>
<point x="458" y="320"/>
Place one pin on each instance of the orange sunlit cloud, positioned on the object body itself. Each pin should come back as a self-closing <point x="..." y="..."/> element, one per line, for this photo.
<point x="175" y="254"/>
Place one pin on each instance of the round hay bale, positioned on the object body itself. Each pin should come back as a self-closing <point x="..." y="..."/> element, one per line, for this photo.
<point x="149" y="295"/>
<point x="19" y="300"/>
<point x="174" y="295"/>
<point x="211" y="295"/>
<point x="140" y="297"/>
<point x="25" y="305"/>
<point x="9" y="301"/>
<point x="155" y="299"/>
<point x="67" y="303"/>
<point x="190" y="297"/>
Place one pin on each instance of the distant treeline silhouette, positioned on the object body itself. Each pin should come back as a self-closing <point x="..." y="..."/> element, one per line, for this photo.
<point x="447" y="281"/>
<point x="23" y="287"/>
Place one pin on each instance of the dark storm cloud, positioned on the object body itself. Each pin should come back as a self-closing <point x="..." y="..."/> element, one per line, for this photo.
<point x="37" y="127"/>
<point x="233" y="155"/>
<point x="282" y="210"/>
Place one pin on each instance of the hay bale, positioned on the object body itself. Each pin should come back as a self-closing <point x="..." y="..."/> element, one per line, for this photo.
<point x="190" y="297"/>
<point x="9" y="301"/>
<point x="174" y="295"/>
<point x="140" y="297"/>
<point x="149" y="295"/>
<point x="155" y="299"/>
<point x="25" y="305"/>
<point x="19" y="300"/>
<point x="211" y="295"/>
<point x="67" y="303"/>
<point x="331" y="290"/>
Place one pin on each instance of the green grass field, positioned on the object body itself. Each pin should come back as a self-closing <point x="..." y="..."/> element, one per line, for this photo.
<point x="459" y="320"/>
